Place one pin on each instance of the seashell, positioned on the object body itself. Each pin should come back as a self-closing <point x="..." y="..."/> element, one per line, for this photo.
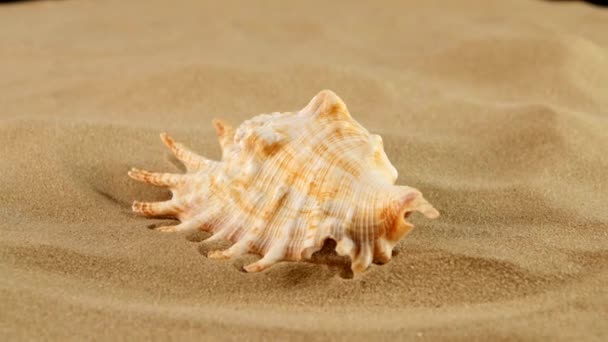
<point x="286" y="183"/>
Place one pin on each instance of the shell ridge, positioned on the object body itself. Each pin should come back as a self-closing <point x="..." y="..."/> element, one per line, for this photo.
<point x="306" y="180"/>
<point x="317" y="240"/>
<point x="247" y="236"/>
<point x="269" y="213"/>
<point x="270" y="178"/>
<point x="359" y="239"/>
<point x="301" y="226"/>
<point x="220" y="228"/>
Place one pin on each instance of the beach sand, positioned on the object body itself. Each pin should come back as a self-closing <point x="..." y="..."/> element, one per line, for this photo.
<point x="495" y="110"/>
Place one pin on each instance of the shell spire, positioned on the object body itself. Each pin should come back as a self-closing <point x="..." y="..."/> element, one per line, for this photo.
<point x="287" y="182"/>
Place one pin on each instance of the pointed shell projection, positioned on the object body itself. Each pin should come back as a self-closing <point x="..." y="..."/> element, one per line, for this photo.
<point x="286" y="183"/>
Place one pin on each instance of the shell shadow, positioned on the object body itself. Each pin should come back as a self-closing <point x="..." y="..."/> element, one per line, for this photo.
<point x="160" y="223"/>
<point x="337" y="264"/>
<point x="326" y="256"/>
<point x="175" y="162"/>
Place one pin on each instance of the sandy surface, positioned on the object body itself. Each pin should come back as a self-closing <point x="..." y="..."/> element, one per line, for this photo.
<point x="496" y="110"/>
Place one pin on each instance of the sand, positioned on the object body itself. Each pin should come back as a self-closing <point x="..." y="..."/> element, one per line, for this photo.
<point x="495" y="110"/>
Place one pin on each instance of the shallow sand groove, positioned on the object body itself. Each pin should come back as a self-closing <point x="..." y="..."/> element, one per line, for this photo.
<point x="495" y="111"/>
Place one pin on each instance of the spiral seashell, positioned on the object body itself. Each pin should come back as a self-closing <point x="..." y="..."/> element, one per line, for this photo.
<point x="286" y="183"/>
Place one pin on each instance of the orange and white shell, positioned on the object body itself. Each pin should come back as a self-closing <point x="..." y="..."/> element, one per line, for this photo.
<point x="286" y="183"/>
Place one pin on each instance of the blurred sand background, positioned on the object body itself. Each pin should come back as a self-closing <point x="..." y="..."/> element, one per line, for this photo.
<point x="495" y="110"/>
